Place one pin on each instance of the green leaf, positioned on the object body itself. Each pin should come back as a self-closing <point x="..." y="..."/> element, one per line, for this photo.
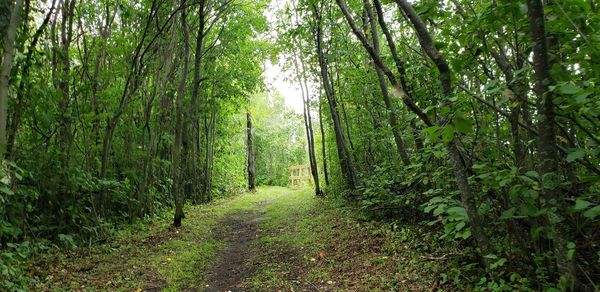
<point x="510" y="213"/>
<point x="581" y="205"/>
<point x="575" y="154"/>
<point x="529" y="210"/>
<point x="533" y="174"/>
<point x="6" y="190"/>
<point x="448" y="133"/>
<point x="569" y="89"/>
<point x="466" y="234"/>
<point x="550" y="181"/>
<point x="458" y="213"/>
<point x="462" y="124"/>
<point x="433" y="133"/>
<point x="500" y="262"/>
<point x="571" y="250"/>
<point x="592" y="213"/>
<point x="582" y="98"/>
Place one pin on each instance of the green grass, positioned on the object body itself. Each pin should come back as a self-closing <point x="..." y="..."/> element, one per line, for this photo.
<point x="148" y="255"/>
<point x="333" y="250"/>
<point x="182" y="262"/>
<point x="303" y="243"/>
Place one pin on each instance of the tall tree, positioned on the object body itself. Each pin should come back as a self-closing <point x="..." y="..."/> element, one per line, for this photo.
<point x="177" y="172"/>
<point x="7" y="62"/>
<point x="346" y="162"/>
<point x="250" y="154"/>
<point x="547" y="144"/>
<point x="392" y="115"/>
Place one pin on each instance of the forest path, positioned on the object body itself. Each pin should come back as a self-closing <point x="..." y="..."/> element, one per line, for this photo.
<point x="238" y="231"/>
<point x="274" y="240"/>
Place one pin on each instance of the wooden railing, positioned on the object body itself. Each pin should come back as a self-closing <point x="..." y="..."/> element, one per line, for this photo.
<point x="299" y="176"/>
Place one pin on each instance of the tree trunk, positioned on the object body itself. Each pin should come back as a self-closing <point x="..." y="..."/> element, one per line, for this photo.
<point x="346" y="163"/>
<point x="250" y="145"/>
<point x="391" y="110"/>
<point x="399" y="68"/>
<point x="301" y="77"/>
<point x="458" y="164"/>
<point x="547" y="144"/>
<point x="64" y="132"/>
<point x="323" y="148"/>
<point x="24" y="86"/>
<point x="7" y="60"/>
<point x="195" y="119"/>
<point x="176" y="169"/>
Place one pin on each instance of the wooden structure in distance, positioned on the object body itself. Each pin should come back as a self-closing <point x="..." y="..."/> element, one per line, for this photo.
<point x="299" y="176"/>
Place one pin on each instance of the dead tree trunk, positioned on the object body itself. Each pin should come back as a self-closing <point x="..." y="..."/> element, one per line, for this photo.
<point x="250" y="145"/>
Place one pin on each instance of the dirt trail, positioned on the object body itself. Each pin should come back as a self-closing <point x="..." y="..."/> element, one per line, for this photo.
<point x="233" y="269"/>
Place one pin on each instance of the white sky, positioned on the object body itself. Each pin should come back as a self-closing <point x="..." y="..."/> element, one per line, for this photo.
<point x="278" y="78"/>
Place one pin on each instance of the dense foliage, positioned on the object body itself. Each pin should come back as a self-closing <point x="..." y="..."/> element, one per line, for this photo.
<point x="477" y="118"/>
<point x="114" y="110"/>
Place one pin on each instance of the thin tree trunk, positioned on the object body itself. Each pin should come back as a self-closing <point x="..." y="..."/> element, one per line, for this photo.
<point x="250" y="153"/>
<point x="547" y="143"/>
<point x="346" y="163"/>
<point x="458" y="164"/>
<point x="177" y="175"/>
<point x="459" y="167"/>
<point x="301" y="77"/>
<point x="130" y="87"/>
<point x="195" y="119"/>
<point x="309" y="133"/>
<point x="64" y="133"/>
<point x="7" y="60"/>
<point x="323" y="138"/>
<point x="391" y="111"/>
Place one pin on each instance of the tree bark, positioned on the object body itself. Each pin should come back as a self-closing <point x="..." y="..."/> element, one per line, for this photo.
<point x="250" y="153"/>
<point x="64" y="133"/>
<point x="399" y="67"/>
<point x="547" y="143"/>
<point x="195" y="119"/>
<point x="398" y="88"/>
<point x="346" y="163"/>
<point x="176" y="169"/>
<point x="323" y="138"/>
<point x="24" y="86"/>
<point x="458" y="164"/>
<point x="391" y="111"/>
<point x="7" y="61"/>
<point x="309" y="130"/>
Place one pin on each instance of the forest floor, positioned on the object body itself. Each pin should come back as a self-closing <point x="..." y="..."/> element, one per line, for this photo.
<point x="273" y="240"/>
